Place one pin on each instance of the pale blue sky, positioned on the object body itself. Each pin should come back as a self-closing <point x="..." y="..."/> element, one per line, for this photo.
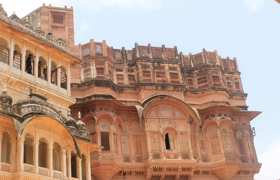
<point x="246" y="29"/>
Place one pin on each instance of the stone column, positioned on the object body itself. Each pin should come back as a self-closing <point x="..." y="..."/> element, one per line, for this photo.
<point x="98" y="136"/>
<point x="11" y="52"/>
<point x="20" y="144"/>
<point x="131" y="148"/>
<point x="79" y="167"/>
<point x="88" y="166"/>
<point x="69" y="80"/>
<point x="69" y="163"/>
<point x="36" y="65"/>
<point x="23" y="56"/>
<point x="111" y="140"/>
<point x="91" y="70"/>
<point x="167" y="72"/>
<point x="64" y="164"/>
<point x="162" y="145"/>
<point x="36" y="151"/>
<point x="82" y="73"/>
<point x="59" y="75"/>
<point x="50" y="158"/>
<point x="190" y="144"/>
<point x="106" y="70"/>
<point x="49" y="70"/>
<point x="1" y="136"/>
<point x="149" y="145"/>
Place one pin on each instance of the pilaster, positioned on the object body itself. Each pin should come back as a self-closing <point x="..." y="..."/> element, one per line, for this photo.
<point x="50" y="158"/>
<point x="49" y="70"/>
<point x="36" y="154"/>
<point x="11" y="52"/>
<point x="36" y="65"/>
<point x="59" y="75"/>
<point x="64" y="164"/>
<point x="88" y="166"/>
<point x="69" y="163"/>
<point x="23" y="56"/>
<point x="79" y="167"/>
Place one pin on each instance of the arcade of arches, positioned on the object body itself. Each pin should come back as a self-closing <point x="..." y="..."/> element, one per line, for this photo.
<point x="168" y="141"/>
<point x="44" y="149"/>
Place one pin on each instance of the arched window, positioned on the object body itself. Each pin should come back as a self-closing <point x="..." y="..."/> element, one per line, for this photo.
<point x="63" y="78"/>
<point x="105" y="141"/>
<point x="84" y="169"/>
<point x="167" y="142"/>
<point x="4" y="51"/>
<point x="74" y="165"/>
<point x="17" y="57"/>
<point x="43" y="153"/>
<point x="6" y="148"/>
<point x="42" y="69"/>
<point x="105" y="136"/>
<point x="57" y="157"/>
<point x="28" y="156"/>
<point x="54" y="73"/>
<point x="29" y="63"/>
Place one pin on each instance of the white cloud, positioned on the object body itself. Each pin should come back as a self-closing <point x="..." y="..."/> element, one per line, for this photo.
<point x="270" y="163"/>
<point x="254" y="6"/>
<point x="23" y="7"/>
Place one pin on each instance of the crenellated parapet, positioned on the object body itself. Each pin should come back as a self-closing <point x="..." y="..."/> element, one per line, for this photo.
<point x="158" y="68"/>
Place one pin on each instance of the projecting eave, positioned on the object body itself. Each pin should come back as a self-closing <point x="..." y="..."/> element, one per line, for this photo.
<point x="249" y="115"/>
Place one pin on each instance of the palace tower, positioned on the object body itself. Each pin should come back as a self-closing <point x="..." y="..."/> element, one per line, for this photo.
<point x="91" y="111"/>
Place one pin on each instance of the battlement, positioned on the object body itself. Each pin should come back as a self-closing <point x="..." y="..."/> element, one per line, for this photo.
<point x="209" y="58"/>
<point x="153" y="66"/>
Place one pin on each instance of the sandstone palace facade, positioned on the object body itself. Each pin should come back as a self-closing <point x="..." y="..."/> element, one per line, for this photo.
<point x="91" y="111"/>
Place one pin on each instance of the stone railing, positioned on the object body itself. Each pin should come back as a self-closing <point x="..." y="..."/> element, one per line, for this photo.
<point x="58" y="175"/>
<point x="5" y="167"/>
<point x="29" y="168"/>
<point x="171" y="155"/>
<point x="44" y="171"/>
<point x="25" y="77"/>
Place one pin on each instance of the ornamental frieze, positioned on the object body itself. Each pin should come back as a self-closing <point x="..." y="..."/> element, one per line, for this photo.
<point x="31" y="108"/>
<point x="38" y="105"/>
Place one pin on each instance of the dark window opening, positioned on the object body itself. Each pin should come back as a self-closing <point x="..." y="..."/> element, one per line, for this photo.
<point x="58" y="18"/>
<point x="63" y="78"/>
<point x="17" y="58"/>
<point x="167" y="142"/>
<point x="57" y="159"/>
<point x="43" y="154"/>
<point x="42" y="69"/>
<point x="74" y="166"/>
<point x="29" y="64"/>
<point x="53" y="73"/>
<point x="28" y="157"/>
<point x="105" y="141"/>
<point x="4" y="51"/>
<point x="6" y="148"/>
